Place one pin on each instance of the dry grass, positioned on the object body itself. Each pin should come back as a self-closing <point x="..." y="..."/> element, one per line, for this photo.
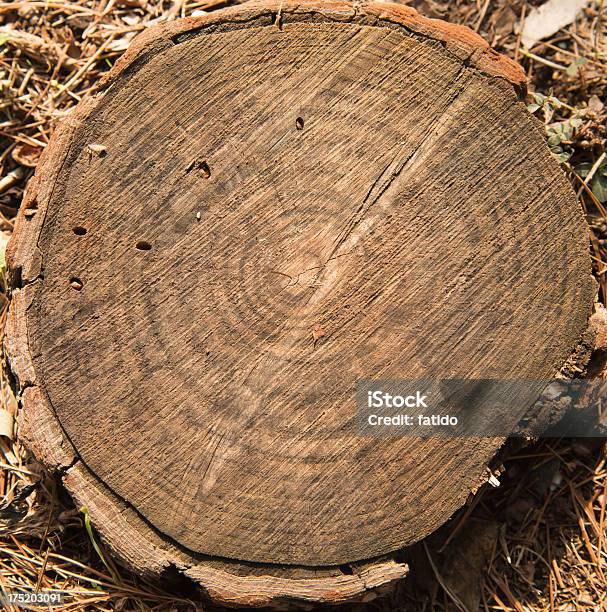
<point x="541" y="536"/>
<point x="536" y="542"/>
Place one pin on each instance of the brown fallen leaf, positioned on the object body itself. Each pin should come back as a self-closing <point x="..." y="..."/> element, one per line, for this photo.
<point x="503" y="21"/>
<point x="36" y="47"/>
<point x="7" y="424"/>
<point x="466" y="559"/>
<point x="27" y="154"/>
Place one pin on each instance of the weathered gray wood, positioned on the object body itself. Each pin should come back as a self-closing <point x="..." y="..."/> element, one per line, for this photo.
<point x="256" y="209"/>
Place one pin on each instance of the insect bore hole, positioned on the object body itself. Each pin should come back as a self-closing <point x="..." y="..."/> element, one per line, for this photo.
<point x="143" y="245"/>
<point x="200" y="166"/>
<point x="299" y="123"/>
<point x="79" y="230"/>
<point x="205" y="169"/>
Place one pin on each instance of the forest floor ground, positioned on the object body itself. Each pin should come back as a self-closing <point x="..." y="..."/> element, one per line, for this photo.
<point x="535" y="542"/>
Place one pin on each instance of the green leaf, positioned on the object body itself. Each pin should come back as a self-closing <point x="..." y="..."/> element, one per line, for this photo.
<point x="562" y="156"/>
<point x="2" y="258"/>
<point x="575" y="65"/>
<point x="576" y="122"/>
<point x="533" y="107"/>
<point x="3" y="244"/>
<point x="89" y="530"/>
<point x="583" y="169"/>
<point x="554" y="139"/>
<point x="539" y="98"/>
<point x="599" y="187"/>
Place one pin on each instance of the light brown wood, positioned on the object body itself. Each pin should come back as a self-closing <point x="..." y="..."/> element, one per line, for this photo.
<point x="254" y="210"/>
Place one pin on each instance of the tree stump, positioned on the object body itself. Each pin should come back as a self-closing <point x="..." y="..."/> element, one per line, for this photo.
<point x="255" y="209"/>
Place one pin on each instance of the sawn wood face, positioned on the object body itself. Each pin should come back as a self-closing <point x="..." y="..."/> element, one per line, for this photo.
<point x="271" y="213"/>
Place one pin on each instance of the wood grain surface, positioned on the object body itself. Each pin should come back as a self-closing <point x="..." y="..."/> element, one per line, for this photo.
<point x="255" y="210"/>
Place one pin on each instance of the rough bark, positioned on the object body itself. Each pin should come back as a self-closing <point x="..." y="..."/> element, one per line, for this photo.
<point x="255" y="209"/>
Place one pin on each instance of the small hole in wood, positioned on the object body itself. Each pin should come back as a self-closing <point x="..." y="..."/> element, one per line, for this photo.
<point x="299" y="123"/>
<point x="143" y="245"/>
<point x="200" y="165"/>
<point x="205" y="169"/>
<point x="76" y="283"/>
<point x="79" y="230"/>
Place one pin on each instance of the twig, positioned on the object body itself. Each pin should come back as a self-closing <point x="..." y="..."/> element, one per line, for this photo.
<point x="456" y="600"/>
<point x="592" y="172"/>
<point x="481" y="16"/>
<point x="11" y="179"/>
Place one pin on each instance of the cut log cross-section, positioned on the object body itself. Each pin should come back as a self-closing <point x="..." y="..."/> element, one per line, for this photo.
<point x="256" y="209"/>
